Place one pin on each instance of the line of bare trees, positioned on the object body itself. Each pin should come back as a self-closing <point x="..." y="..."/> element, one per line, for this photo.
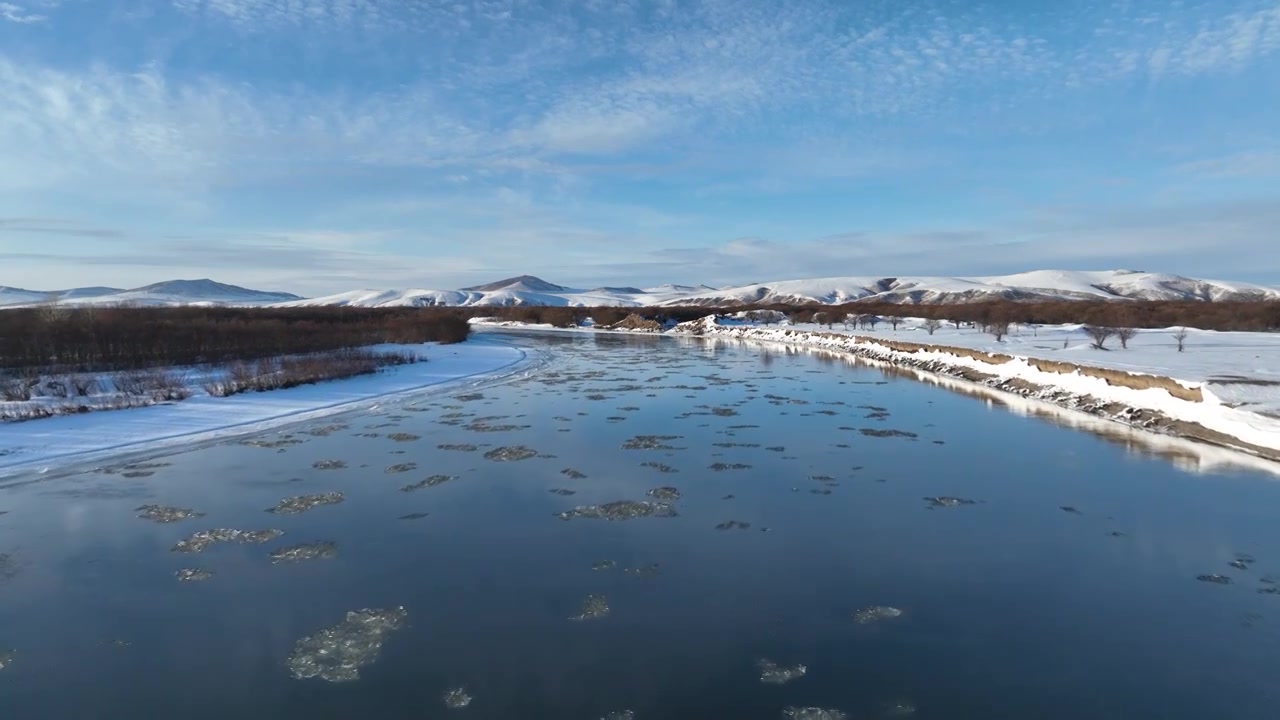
<point x="992" y="315"/>
<point x="76" y="340"/>
<point x="281" y="373"/>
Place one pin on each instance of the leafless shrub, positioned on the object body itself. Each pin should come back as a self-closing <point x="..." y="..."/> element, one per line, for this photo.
<point x="1181" y="338"/>
<point x="1125" y="334"/>
<point x="15" y="389"/>
<point x="56" y="388"/>
<point x="154" y="382"/>
<point x="83" y="385"/>
<point x="998" y="329"/>
<point x="132" y="382"/>
<point x="281" y="373"/>
<point x="931" y="325"/>
<point x="1098" y="334"/>
<point x="169" y="386"/>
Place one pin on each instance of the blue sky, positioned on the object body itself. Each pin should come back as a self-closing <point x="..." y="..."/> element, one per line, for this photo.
<point x="323" y="145"/>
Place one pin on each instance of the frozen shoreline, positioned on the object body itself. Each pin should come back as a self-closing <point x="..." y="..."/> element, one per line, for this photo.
<point x="1149" y="400"/>
<point x="40" y="445"/>
<point x="1224" y="390"/>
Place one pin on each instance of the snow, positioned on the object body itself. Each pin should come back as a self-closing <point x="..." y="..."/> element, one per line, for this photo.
<point x="1036" y="285"/>
<point x="529" y="290"/>
<point x="169" y="293"/>
<point x="41" y="444"/>
<point x="1238" y="373"/>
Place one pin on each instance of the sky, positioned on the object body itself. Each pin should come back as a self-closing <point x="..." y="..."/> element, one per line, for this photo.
<point x="317" y="146"/>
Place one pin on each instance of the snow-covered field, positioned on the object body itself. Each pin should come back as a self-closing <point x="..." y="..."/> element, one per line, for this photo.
<point x="1234" y="372"/>
<point x="38" y="444"/>
<point x="1241" y="368"/>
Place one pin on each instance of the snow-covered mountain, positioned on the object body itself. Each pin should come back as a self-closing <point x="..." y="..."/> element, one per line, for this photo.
<point x="529" y="290"/>
<point x="170" y="293"/>
<point x="1037" y="285"/>
<point x="523" y="283"/>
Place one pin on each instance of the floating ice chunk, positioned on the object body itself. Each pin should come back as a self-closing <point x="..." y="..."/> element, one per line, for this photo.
<point x="594" y="606"/>
<point x="324" y="550"/>
<point x="336" y="654"/>
<point x="811" y="713"/>
<point x="510" y="453"/>
<point x="457" y="698"/>
<point x="620" y="510"/>
<point x="665" y="493"/>
<point x="303" y="503"/>
<point x="875" y="613"/>
<point x="948" y="501"/>
<point x="772" y="673"/>
<point x="166" y="514"/>
<point x="197" y="542"/>
<point x="432" y="481"/>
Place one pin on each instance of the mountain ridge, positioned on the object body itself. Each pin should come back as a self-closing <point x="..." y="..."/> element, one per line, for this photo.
<point x="165" y="293"/>
<point x="1036" y="285"/>
<point x="1119" y="285"/>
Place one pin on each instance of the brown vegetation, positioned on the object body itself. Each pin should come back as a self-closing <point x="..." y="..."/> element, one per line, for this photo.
<point x="1139" y="314"/>
<point x="107" y="339"/>
<point x="281" y="373"/>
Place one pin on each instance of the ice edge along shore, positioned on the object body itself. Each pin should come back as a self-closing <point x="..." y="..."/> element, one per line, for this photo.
<point x="1146" y="401"/>
<point x="69" y="441"/>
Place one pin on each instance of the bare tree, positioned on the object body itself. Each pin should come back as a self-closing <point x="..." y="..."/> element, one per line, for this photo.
<point x="931" y="325"/>
<point x="956" y="321"/>
<point x="998" y="328"/>
<point x="52" y="310"/>
<point x="1180" y="337"/>
<point x="872" y="320"/>
<point x="894" y="321"/>
<point x="1098" y="334"/>
<point x="1125" y="334"/>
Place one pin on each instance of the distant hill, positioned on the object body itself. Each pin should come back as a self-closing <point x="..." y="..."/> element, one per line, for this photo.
<point x="527" y="283"/>
<point x="1039" y="285"/>
<point x="168" y="293"/>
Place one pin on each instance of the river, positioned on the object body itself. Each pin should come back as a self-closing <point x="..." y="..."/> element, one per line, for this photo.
<point x="921" y="553"/>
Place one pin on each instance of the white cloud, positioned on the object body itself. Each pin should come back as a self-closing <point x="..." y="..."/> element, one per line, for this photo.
<point x="18" y="14"/>
<point x="536" y="110"/>
<point x="1231" y="43"/>
<point x="1254" y="163"/>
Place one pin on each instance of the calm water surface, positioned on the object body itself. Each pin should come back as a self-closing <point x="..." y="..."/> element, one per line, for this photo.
<point x="1010" y="606"/>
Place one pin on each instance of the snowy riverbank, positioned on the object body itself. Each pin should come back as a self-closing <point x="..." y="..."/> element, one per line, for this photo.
<point x="1216" y="391"/>
<point x="39" y="444"/>
<point x="1223" y="388"/>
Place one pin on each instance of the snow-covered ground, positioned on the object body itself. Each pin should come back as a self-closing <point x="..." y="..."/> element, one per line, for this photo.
<point x="1237" y="373"/>
<point x="1240" y="368"/>
<point x="1234" y="372"/>
<point x="41" y="444"/>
